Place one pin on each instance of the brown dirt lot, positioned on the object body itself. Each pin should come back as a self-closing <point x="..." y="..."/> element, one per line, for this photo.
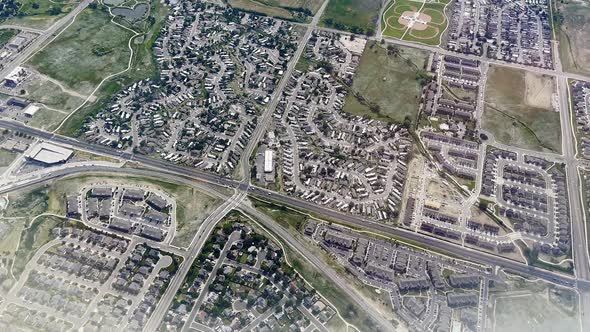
<point x="518" y="109"/>
<point x="539" y="91"/>
<point x="421" y="21"/>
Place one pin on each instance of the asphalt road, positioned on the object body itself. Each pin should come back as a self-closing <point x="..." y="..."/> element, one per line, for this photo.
<point x="578" y="220"/>
<point x="42" y="39"/>
<point x="328" y="272"/>
<point x="264" y="120"/>
<point x="582" y="262"/>
<point x="194" y="249"/>
<point x="212" y="275"/>
<point x="182" y="173"/>
<point x="436" y="49"/>
<point x="21" y="28"/>
<point x="270" y="224"/>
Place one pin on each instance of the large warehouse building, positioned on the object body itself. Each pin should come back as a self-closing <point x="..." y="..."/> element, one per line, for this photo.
<point x="49" y="154"/>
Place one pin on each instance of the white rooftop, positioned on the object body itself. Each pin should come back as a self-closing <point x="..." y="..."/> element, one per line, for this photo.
<point x="268" y="162"/>
<point x="16" y="74"/>
<point x="49" y="154"/>
<point x="31" y="110"/>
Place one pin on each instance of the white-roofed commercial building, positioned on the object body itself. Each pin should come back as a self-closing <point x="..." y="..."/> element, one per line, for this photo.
<point x="31" y="110"/>
<point x="268" y="161"/>
<point x="49" y="154"/>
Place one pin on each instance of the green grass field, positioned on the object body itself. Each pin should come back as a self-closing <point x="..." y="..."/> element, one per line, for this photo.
<point x="57" y="102"/>
<point x="87" y="52"/>
<point x="23" y="206"/>
<point x="27" y="204"/>
<point x="143" y="66"/>
<point x="41" y="14"/>
<point x="193" y="207"/>
<point x="46" y="119"/>
<point x="286" y="217"/>
<point x="7" y="157"/>
<point x="51" y="94"/>
<point x="585" y="201"/>
<point x="6" y="35"/>
<point x="358" y="16"/>
<point x="388" y="81"/>
<point x="431" y="35"/>
<point x="574" y="40"/>
<point x="518" y="110"/>
<point x="296" y="10"/>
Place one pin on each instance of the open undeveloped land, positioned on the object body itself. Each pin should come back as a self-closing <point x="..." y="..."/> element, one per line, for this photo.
<point x="56" y="100"/>
<point x="297" y="10"/>
<point x="518" y="109"/>
<point x="6" y="35"/>
<point x="143" y="64"/>
<point x="358" y="16"/>
<point x="385" y="85"/>
<point x="574" y="39"/>
<point x="415" y="21"/>
<point x="91" y="49"/>
<point x="531" y="312"/>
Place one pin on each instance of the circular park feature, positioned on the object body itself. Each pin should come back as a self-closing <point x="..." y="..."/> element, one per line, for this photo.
<point x="421" y="22"/>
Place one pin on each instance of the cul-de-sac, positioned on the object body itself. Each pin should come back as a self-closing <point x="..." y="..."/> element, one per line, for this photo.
<point x="295" y="165"/>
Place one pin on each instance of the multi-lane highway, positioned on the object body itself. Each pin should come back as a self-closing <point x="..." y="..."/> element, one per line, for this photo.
<point x="175" y="172"/>
<point x="203" y="233"/>
<point x="578" y="221"/>
<point x="180" y="173"/>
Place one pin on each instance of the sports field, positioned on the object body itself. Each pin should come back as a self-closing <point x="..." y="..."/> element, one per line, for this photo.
<point x="518" y="109"/>
<point x="414" y="21"/>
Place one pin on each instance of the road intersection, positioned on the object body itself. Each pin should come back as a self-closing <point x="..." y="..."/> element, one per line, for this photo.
<point x="243" y="188"/>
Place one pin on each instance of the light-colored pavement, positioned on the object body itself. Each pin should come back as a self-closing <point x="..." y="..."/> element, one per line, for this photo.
<point x="578" y="221"/>
<point x="332" y="275"/>
<point x="568" y="141"/>
<point x="189" y="176"/>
